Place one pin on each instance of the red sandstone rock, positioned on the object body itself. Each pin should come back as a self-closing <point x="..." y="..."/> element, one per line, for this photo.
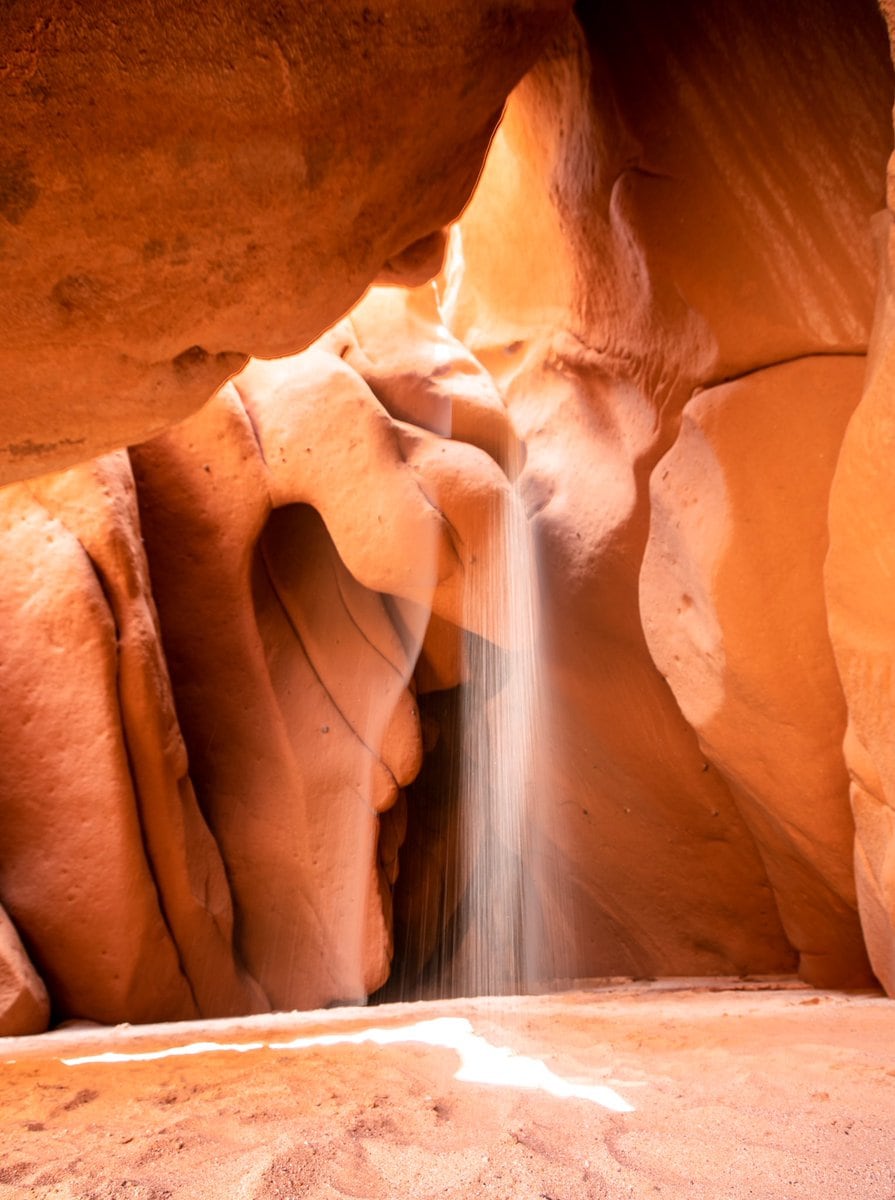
<point x="646" y="866"/>
<point x="192" y="184"/>
<point x="421" y="374"/>
<point x="732" y="600"/>
<point x="681" y="230"/>
<point x="107" y="867"/>
<point x="396" y="340"/>
<point x="685" y="230"/>
<point x="859" y="589"/>
<point x="274" y="519"/>
<point x="24" y="1004"/>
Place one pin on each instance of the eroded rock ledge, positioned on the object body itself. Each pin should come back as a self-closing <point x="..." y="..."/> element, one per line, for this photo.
<point x="229" y="654"/>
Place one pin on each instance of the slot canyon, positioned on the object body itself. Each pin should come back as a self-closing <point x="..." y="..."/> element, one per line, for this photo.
<point x="305" y="306"/>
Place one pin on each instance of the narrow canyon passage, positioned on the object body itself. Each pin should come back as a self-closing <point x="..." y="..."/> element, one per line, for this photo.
<point x="256" y="665"/>
<point x="446" y="616"/>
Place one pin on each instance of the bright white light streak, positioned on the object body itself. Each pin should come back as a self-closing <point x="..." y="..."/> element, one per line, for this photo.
<point x="114" y="1056"/>
<point x="480" y="1061"/>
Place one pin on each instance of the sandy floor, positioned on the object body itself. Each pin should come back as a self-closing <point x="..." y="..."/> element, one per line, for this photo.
<point x="734" y="1091"/>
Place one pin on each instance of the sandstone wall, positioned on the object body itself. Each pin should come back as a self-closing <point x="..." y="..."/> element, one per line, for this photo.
<point x="293" y="541"/>
<point x="231" y="656"/>
<point x="859" y="594"/>
<point x="696" y="190"/>
<point x="183" y="185"/>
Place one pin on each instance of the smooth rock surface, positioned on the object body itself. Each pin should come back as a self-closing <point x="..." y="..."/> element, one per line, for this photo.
<point x="859" y="576"/>
<point x="24" y="1003"/>
<point x="108" y="869"/>
<point x="732" y="595"/>
<point x="280" y="522"/>
<point x="181" y="187"/>
<point x="694" y="195"/>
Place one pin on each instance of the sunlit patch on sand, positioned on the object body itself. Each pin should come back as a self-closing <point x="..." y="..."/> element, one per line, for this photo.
<point x="480" y="1060"/>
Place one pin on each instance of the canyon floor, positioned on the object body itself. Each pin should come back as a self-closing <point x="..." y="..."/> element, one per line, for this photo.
<point x="719" y="1089"/>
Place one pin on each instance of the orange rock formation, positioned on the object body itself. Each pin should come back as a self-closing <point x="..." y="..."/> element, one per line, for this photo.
<point x="294" y="532"/>
<point x="181" y="186"/>
<point x="683" y="383"/>
<point x="230" y="658"/>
